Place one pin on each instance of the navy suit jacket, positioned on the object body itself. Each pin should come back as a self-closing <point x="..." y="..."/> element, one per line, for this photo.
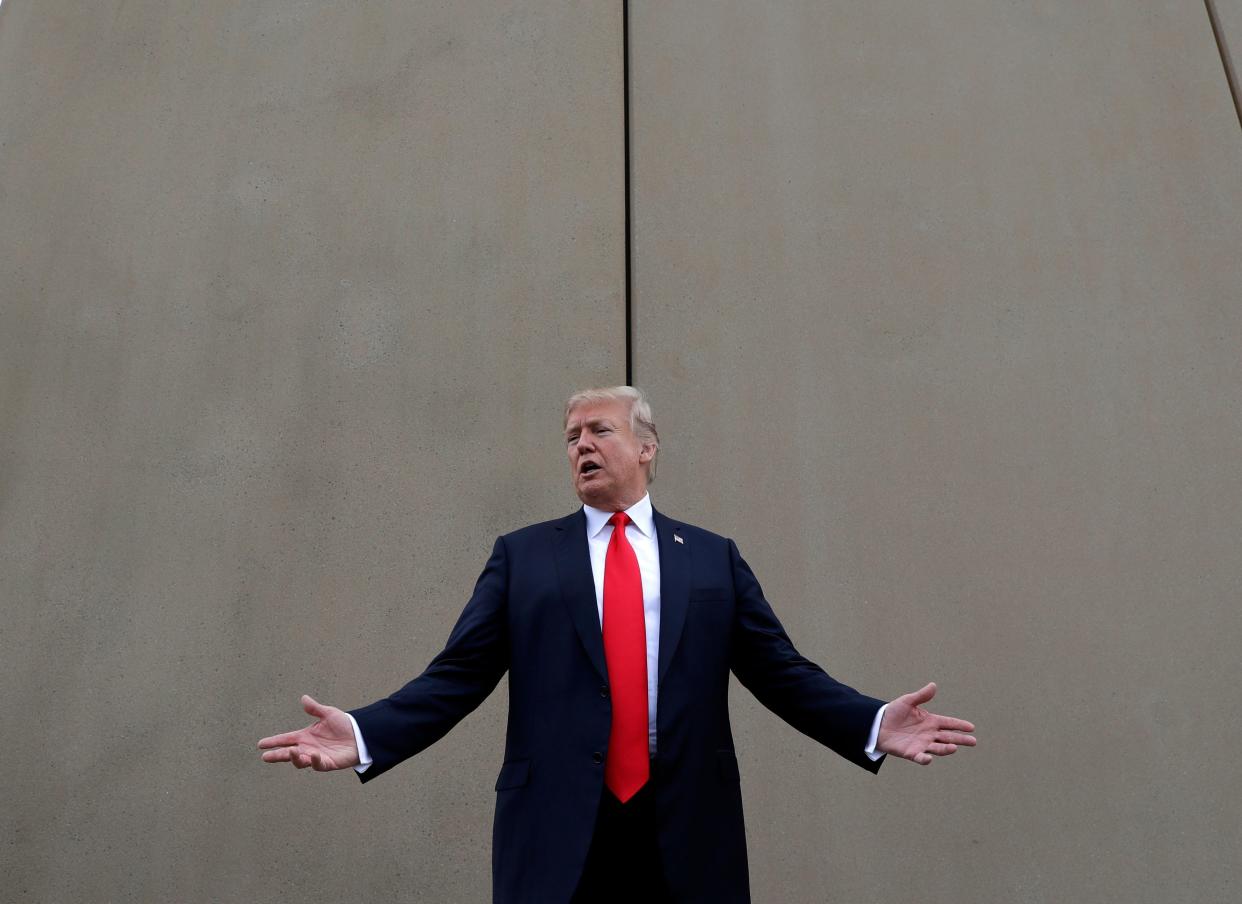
<point x="534" y="614"/>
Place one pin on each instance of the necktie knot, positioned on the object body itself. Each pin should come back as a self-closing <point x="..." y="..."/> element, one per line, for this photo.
<point x="619" y="520"/>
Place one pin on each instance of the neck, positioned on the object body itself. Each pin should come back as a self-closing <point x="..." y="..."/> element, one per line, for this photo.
<point x="616" y="505"/>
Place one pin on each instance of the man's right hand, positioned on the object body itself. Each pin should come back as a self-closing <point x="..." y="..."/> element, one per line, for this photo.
<point x="325" y="745"/>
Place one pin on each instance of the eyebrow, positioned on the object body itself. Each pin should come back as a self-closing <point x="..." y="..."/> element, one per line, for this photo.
<point x="593" y="422"/>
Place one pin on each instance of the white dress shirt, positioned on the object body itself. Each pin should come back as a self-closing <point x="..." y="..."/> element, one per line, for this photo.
<point x="642" y="536"/>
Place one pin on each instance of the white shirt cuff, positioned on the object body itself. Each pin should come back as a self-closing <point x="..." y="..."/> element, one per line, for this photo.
<point x="364" y="756"/>
<point x="869" y="749"/>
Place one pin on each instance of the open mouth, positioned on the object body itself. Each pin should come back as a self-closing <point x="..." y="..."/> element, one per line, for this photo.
<point x="589" y="467"/>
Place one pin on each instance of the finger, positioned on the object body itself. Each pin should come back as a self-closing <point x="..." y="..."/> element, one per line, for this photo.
<point x="276" y="756"/>
<point x="281" y="740"/>
<point x="298" y="758"/>
<point x="317" y="762"/>
<point x="954" y="737"/>
<point x="922" y="695"/>
<point x="314" y="707"/>
<point x="941" y="749"/>
<point x="954" y="724"/>
<point x="923" y="759"/>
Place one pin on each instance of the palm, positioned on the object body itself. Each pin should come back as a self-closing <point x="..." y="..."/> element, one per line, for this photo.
<point x="325" y="745"/>
<point x="913" y="733"/>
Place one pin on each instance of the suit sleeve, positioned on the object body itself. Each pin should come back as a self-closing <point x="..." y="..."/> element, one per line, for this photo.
<point x="767" y="664"/>
<point x="453" y="685"/>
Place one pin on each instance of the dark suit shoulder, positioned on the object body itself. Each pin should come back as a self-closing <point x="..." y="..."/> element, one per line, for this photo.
<point x="688" y="531"/>
<point x="576" y="521"/>
<point x="543" y="529"/>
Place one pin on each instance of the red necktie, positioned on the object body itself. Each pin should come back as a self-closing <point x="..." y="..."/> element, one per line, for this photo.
<point x="625" y="649"/>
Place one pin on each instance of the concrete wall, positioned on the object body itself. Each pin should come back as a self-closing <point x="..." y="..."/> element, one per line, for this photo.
<point x="941" y="308"/>
<point x="291" y="293"/>
<point x="939" y="311"/>
<point x="1229" y="24"/>
<point x="1229" y="12"/>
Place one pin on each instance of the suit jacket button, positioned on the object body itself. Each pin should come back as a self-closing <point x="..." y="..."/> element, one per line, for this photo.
<point x="603" y="691"/>
<point x="597" y="758"/>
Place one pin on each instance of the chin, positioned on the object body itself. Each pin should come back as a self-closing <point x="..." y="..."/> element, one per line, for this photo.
<point x="596" y="497"/>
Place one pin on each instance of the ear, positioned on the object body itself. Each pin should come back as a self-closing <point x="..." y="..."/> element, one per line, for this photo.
<point x="646" y="452"/>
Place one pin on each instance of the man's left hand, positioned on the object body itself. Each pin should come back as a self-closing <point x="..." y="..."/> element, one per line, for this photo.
<point x="911" y="732"/>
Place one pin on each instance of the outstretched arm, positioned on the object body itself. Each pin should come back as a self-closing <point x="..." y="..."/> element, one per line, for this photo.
<point x="913" y="733"/>
<point x="417" y="715"/>
<point x="766" y="662"/>
<point x="325" y="745"/>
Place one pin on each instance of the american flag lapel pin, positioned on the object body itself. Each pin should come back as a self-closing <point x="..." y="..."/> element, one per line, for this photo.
<point x="678" y="539"/>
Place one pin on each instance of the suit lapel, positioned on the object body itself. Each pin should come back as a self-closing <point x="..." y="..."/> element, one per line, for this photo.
<point x="573" y="565"/>
<point x="674" y="588"/>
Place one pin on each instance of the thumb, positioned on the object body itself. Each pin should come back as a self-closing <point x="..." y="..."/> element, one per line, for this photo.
<point x="313" y="707"/>
<point x="918" y="698"/>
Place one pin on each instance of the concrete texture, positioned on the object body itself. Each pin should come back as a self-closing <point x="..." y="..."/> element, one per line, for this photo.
<point x="939" y="309"/>
<point x="290" y="294"/>
<point x="1229" y="16"/>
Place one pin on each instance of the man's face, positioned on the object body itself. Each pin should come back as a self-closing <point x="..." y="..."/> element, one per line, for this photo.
<point x="607" y="462"/>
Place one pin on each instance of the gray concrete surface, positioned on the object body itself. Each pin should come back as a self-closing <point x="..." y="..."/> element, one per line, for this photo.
<point x="939" y="311"/>
<point x="290" y="294"/>
<point x="1229" y="15"/>
<point x="939" y="307"/>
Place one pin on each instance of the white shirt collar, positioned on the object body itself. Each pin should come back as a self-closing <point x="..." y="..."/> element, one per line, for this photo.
<point x="639" y="512"/>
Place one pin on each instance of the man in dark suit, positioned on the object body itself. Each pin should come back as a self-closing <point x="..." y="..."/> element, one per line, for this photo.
<point x="618" y="627"/>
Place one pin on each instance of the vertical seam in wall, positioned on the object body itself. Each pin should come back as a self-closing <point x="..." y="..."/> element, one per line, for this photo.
<point x="1221" y="45"/>
<point x="629" y="253"/>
